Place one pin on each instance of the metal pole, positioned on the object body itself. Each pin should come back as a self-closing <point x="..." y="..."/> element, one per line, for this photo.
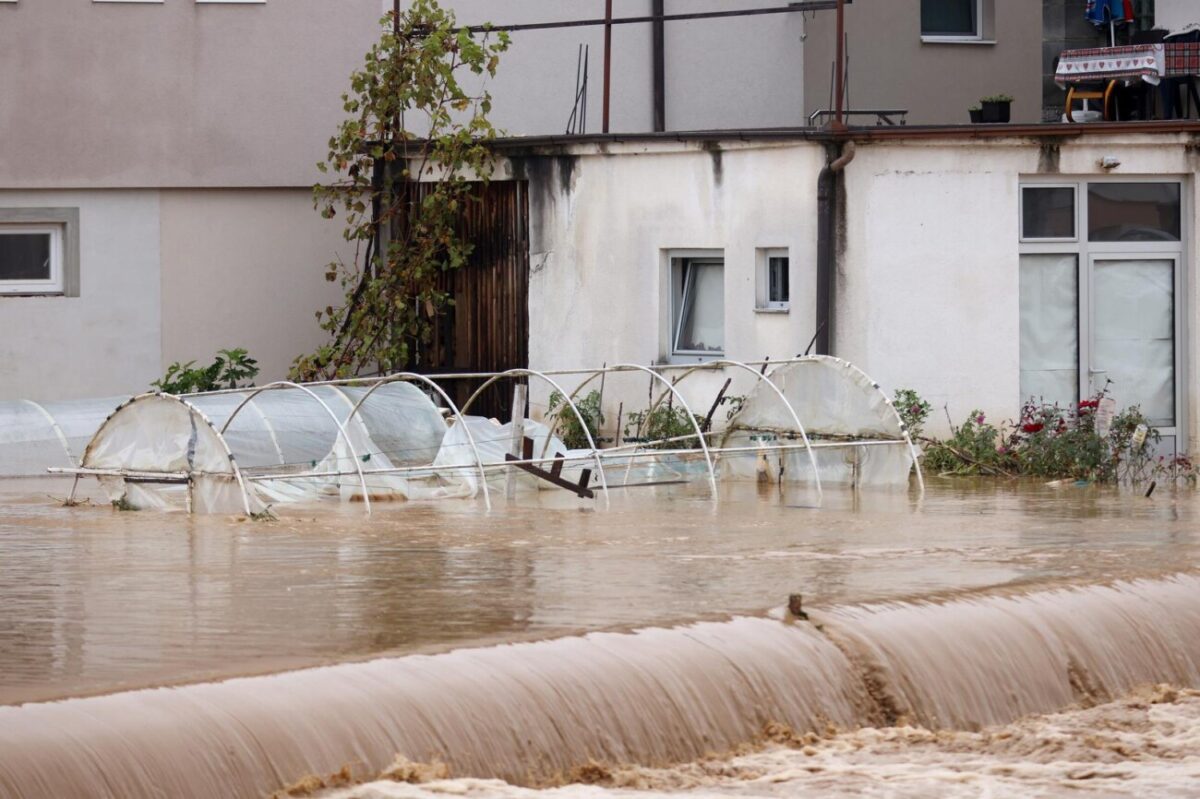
<point x="658" y="37"/>
<point x="607" y="57"/>
<point x="840" y="67"/>
<point x="518" y="438"/>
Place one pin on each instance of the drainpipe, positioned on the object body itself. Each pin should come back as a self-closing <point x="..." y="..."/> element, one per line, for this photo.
<point x="827" y="189"/>
<point x="658" y="48"/>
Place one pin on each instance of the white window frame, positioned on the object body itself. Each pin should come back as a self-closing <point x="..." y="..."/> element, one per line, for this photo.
<point x="957" y="38"/>
<point x="1079" y="217"/>
<point x="679" y="302"/>
<point x="762" y="294"/>
<point x="51" y="285"/>
<point x="1088" y="252"/>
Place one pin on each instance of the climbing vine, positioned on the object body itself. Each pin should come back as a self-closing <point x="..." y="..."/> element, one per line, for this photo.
<point x="410" y="119"/>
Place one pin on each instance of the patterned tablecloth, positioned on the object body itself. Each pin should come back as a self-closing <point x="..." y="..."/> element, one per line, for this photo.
<point x="1148" y="62"/>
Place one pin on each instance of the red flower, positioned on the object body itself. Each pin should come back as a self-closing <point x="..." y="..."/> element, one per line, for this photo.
<point x="1089" y="404"/>
<point x="1032" y="427"/>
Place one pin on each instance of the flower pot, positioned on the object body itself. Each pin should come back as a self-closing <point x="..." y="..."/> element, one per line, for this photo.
<point x="976" y="115"/>
<point x="996" y="112"/>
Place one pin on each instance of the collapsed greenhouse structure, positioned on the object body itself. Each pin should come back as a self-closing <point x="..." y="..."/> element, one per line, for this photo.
<point x="812" y="421"/>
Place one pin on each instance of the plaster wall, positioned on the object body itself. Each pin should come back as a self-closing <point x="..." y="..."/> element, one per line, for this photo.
<point x="719" y="73"/>
<point x="1175" y="14"/>
<point x="928" y="283"/>
<point x="928" y="287"/>
<point x="891" y="67"/>
<point x="174" y="94"/>
<point x="245" y="268"/>
<point x="105" y="341"/>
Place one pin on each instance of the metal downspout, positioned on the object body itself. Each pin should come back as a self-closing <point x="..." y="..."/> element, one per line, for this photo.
<point x="827" y="188"/>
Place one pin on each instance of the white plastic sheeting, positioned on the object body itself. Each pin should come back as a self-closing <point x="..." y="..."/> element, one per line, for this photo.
<point x="37" y="435"/>
<point x="810" y="420"/>
<point x="855" y="436"/>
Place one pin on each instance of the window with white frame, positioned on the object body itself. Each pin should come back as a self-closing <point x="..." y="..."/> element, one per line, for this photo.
<point x="772" y="291"/>
<point x="1100" y="292"/>
<point x="952" y="19"/>
<point x="698" y="304"/>
<point x="31" y="259"/>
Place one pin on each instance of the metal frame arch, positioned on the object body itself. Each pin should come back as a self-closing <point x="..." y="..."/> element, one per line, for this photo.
<point x="570" y="402"/>
<point x="58" y="433"/>
<point x="270" y="432"/>
<point x="712" y="476"/>
<point x="912" y="450"/>
<point x="341" y="428"/>
<point x="763" y="378"/>
<point x="410" y="376"/>
<point x="192" y="409"/>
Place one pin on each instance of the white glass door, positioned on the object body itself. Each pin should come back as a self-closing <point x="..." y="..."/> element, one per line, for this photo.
<point x="1133" y="343"/>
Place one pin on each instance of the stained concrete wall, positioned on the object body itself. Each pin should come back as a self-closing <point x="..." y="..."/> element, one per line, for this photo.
<point x="106" y="340"/>
<point x="891" y="67"/>
<point x="927" y="288"/>
<point x="1175" y="14"/>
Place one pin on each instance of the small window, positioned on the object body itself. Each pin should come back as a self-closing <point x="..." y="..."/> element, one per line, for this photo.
<point x="1048" y="213"/>
<point x="773" y="280"/>
<point x="698" y="310"/>
<point x="951" y="19"/>
<point x="1120" y="211"/>
<point x="31" y="259"/>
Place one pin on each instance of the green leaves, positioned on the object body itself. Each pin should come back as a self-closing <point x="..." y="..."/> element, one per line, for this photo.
<point x="227" y="371"/>
<point x="405" y="106"/>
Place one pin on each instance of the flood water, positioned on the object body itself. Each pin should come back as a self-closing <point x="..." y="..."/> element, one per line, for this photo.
<point x="93" y="600"/>
<point x="972" y="606"/>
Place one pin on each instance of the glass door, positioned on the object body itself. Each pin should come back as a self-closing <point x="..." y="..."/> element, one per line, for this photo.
<point x="1133" y="343"/>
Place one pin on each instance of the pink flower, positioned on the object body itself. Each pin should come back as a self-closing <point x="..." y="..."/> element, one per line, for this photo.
<point x="979" y="419"/>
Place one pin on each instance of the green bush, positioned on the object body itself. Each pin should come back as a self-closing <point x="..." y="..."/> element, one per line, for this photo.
<point x="662" y="423"/>
<point x="229" y="368"/>
<point x="564" y="421"/>
<point x="913" y="410"/>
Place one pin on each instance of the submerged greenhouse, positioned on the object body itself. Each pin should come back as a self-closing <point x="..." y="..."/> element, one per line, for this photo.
<point x="812" y="422"/>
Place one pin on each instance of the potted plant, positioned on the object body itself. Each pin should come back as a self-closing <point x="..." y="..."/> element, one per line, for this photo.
<point x="997" y="108"/>
<point x="976" y="114"/>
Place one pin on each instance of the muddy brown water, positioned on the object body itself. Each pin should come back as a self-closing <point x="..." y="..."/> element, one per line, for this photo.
<point x="972" y="605"/>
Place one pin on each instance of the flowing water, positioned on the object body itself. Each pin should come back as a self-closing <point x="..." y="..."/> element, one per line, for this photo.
<point x="973" y="606"/>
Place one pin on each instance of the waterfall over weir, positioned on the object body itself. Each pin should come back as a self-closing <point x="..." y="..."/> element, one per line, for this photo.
<point x="528" y="712"/>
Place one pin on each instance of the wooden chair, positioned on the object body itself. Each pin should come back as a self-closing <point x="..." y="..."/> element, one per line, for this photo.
<point x="1077" y="92"/>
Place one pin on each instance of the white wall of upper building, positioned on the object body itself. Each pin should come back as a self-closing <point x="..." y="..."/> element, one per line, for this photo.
<point x="928" y="280"/>
<point x="738" y="72"/>
<point x="1174" y="15"/>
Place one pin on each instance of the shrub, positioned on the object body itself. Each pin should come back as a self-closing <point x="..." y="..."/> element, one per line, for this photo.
<point x="229" y="368"/>
<point x="913" y="410"/>
<point x="662" y="423"/>
<point x="567" y="424"/>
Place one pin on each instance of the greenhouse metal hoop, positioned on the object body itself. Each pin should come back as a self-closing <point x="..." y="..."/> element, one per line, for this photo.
<point x="534" y="373"/>
<point x="237" y="472"/>
<point x="409" y="376"/>
<point x="341" y="428"/>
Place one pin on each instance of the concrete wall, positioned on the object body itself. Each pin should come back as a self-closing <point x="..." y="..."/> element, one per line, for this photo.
<point x="1175" y="14"/>
<point x="719" y="73"/>
<point x="106" y="340"/>
<point x="174" y="94"/>
<point x="928" y="293"/>
<point x="245" y="268"/>
<point x="891" y="67"/>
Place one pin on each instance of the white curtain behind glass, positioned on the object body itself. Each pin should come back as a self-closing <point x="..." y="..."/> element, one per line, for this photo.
<point x="703" y="328"/>
<point x="1134" y="339"/>
<point x="1049" y="329"/>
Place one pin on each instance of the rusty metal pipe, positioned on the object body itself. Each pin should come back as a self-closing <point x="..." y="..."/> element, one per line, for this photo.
<point x="827" y="189"/>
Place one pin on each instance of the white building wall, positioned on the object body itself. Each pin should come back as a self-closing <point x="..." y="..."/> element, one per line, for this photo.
<point x="105" y="341"/>
<point x="1175" y="14"/>
<point x="928" y="282"/>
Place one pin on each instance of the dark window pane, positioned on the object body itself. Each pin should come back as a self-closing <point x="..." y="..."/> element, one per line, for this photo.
<point x="949" y="18"/>
<point x="777" y="284"/>
<point x="24" y="256"/>
<point x="1047" y="212"/>
<point x="1133" y="212"/>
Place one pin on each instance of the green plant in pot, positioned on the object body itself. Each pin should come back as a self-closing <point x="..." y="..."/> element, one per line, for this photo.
<point x="996" y="108"/>
<point x="976" y="114"/>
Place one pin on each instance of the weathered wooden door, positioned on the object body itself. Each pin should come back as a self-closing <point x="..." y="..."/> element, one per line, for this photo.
<point x="487" y="327"/>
